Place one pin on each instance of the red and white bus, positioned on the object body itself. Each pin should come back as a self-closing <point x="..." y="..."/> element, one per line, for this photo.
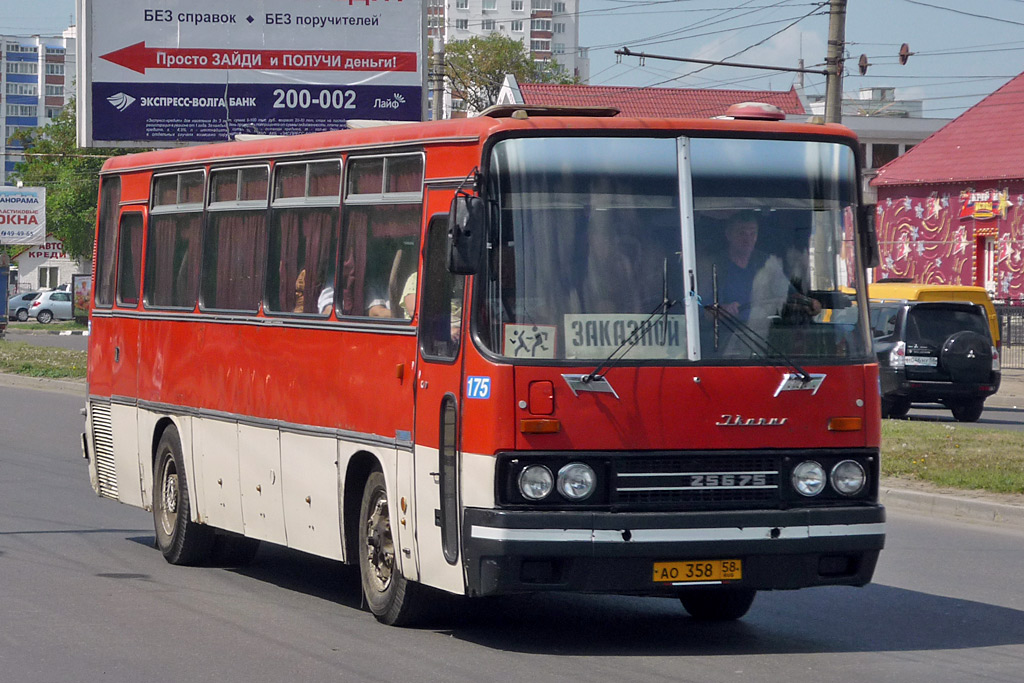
<point x="526" y="351"/>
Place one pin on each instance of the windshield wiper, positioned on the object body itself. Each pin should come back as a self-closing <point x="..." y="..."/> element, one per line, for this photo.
<point x="746" y="334"/>
<point x="754" y="341"/>
<point x="637" y="335"/>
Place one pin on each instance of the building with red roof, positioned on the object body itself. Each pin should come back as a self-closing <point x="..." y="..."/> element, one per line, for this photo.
<point x="951" y="210"/>
<point x="652" y="102"/>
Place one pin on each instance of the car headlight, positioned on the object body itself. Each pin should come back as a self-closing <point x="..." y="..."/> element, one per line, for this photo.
<point x="576" y="481"/>
<point x="808" y="478"/>
<point x="848" y="477"/>
<point x="535" y="482"/>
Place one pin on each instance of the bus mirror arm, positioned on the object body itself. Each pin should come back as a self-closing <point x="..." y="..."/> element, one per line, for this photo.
<point x="869" y="238"/>
<point x="466" y="231"/>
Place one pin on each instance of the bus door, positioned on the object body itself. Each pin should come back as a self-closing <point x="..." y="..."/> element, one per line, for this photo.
<point x="438" y="408"/>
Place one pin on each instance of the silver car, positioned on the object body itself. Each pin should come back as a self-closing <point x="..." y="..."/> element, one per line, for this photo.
<point x="51" y="305"/>
<point x="18" y="305"/>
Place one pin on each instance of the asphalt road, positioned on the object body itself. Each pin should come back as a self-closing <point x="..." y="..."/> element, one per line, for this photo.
<point x="84" y="596"/>
<point x="42" y="337"/>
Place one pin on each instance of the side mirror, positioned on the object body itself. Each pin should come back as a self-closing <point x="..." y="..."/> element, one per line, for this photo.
<point x="466" y="227"/>
<point x="869" y="238"/>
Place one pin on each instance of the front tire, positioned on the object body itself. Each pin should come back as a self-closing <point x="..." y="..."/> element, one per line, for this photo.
<point x="44" y="317"/>
<point x="181" y="540"/>
<point x="22" y="315"/>
<point x="393" y="599"/>
<point x="717" y="604"/>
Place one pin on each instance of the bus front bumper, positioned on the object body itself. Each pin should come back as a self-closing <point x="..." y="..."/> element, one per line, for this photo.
<point x="599" y="552"/>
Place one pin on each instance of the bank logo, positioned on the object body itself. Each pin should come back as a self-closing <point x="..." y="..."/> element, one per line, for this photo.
<point x="121" y="100"/>
<point x="395" y="102"/>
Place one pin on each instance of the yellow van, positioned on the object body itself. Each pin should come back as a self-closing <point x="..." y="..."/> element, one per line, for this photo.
<point x="912" y="291"/>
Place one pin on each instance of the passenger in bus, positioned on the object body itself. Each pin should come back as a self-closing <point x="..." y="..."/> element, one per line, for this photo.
<point x="747" y="285"/>
<point x="408" y="300"/>
<point x="618" y="278"/>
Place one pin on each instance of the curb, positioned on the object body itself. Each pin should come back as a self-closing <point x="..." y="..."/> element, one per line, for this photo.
<point x="952" y="506"/>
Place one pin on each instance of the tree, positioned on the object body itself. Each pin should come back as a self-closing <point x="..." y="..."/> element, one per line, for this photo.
<point x="70" y="175"/>
<point x="476" y="68"/>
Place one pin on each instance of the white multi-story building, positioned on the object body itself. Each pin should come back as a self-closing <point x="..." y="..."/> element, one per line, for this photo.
<point x="37" y="75"/>
<point x="549" y="29"/>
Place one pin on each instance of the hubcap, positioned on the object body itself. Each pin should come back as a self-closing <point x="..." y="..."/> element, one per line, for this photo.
<point x="169" y="498"/>
<point x="380" y="548"/>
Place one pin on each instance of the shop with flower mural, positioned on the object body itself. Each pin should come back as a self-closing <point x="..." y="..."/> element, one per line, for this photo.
<point x="951" y="234"/>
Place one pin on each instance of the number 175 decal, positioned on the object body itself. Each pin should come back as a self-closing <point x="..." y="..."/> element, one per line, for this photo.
<point x="478" y="387"/>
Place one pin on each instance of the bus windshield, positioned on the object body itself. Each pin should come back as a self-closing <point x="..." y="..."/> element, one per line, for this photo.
<point x="681" y="249"/>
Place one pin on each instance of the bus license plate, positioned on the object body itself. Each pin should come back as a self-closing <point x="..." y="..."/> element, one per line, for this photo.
<point x="701" y="570"/>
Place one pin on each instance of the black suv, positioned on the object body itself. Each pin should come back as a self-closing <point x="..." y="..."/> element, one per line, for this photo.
<point x="934" y="352"/>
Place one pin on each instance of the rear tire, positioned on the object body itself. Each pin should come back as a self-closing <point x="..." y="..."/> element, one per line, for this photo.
<point x="968" y="411"/>
<point x="717" y="604"/>
<point x="181" y="540"/>
<point x="393" y="599"/>
<point x="22" y="315"/>
<point x="44" y="317"/>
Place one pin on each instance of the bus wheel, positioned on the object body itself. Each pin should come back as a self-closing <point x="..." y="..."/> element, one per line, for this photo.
<point x="392" y="598"/>
<point x="181" y="540"/>
<point x="717" y="604"/>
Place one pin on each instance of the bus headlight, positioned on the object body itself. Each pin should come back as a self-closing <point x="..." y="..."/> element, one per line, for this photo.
<point x="576" y="481"/>
<point x="808" y="478"/>
<point x="536" y="482"/>
<point x="848" y="478"/>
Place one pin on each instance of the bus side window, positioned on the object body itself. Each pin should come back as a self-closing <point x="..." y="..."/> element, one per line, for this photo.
<point x="440" y="297"/>
<point x="379" y="259"/>
<point x="129" y="259"/>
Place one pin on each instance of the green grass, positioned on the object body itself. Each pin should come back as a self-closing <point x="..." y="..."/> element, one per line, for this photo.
<point x="21" y="358"/>
<point x="33" y="326"/>
<point x="957" y="456"/>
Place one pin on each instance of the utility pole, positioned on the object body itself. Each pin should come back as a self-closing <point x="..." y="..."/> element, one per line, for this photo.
<point x="437" y="78"/>
<point x="834" y="61"/>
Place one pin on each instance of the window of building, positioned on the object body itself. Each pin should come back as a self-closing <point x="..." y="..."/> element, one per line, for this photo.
<point x="53" y="112"/>
<point x="303" y="237"/>
<point x="380" y="254"/>
<point x="517" y="5"/>
<point x="540" y="5"/>
<point x="21" y="110"/>
<point x="558" y="7"/>
<point x="49" y="277"/>
<point x="490" y="5"/>
<point x="462" y="24"/>
<point x="235" y="244"/>
<point x="30" y="68"/>
<point x="487" y="25"/>
<point x="461" y="4"/>
<point x="54" y="69"/>
<point x="30" y="89"/>
<point x="517" y="26"/>
<point x="881" y="154"/>
<point x="559" y="27"/>
<point x="559" y="49"/>
<point x="540" y="45"/>
<point x="175" y="230"/>
<point x="55" y="90"/>
<point x="55" y="50"/>
<point x="540" y="25"/>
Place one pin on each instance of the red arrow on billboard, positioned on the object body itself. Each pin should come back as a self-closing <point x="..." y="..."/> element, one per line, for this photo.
<point x="138" y="58"/>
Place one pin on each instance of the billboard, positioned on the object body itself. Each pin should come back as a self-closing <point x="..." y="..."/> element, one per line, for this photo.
<point x="22" y="215"/>
<point x="171" y="72"/>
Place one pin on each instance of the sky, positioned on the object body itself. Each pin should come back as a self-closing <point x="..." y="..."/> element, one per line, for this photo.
<point x="961" y="50"/>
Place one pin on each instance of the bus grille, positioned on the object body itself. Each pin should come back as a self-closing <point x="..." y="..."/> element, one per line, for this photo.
<point x="697" y="482"/>
<point x="103" y="449"/>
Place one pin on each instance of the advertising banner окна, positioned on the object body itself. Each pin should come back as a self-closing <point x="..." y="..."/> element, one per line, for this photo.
<point x="22" y="215"/>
